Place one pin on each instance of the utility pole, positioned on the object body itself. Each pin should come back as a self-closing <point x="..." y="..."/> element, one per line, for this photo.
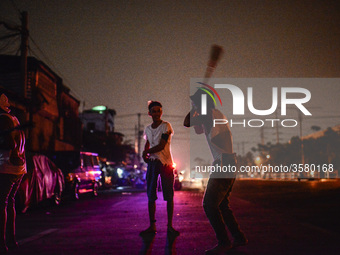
<point x="262" y="135"/>
<point x="24" y="50"/>
<point x="277" y="130"/>
<point x="302" y="150"/>
<point x="23" y="32"/>
<point x="106" y="121"/>
<point x="23" y="66"/>
<point x="139" y="134"/>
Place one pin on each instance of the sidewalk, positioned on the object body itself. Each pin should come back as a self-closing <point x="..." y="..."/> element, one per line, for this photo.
<point x="117" y="230"/>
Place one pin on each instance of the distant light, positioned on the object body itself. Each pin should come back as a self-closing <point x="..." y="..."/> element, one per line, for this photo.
<point x="120" y="172"/>
<point x="174" y="165"/>
<point x="99" y="108"/>
<point x="268" y="156"/>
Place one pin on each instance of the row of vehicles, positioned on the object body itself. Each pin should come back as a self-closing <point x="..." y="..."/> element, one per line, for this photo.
<point x="70" y="173"/>
<point x="49" y="177"/>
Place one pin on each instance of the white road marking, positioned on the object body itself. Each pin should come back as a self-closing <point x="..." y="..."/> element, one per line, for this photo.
<point x="37" y="236"/>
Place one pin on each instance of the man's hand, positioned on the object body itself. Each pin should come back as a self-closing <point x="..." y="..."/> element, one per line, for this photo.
<point x="191" y="121"/>
<point x="145" y="157"/>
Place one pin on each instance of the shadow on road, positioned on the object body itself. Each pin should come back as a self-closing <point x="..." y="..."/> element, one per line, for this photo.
<point x="170" y="248"/>
<point x="148" y="241"/>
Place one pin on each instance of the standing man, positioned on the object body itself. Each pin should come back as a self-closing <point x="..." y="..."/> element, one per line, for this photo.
<point x="12" y="168"/>
<point x="216" y="197"/>
<point x="157" y="154"/>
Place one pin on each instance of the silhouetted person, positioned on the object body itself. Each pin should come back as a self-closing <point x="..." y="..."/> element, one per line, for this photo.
<point x="157" y="154"/>
<point x="216" y="197"/>
<point x="12" y="168"/>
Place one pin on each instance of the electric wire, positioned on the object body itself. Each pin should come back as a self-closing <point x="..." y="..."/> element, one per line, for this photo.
<point x="15" y="6"/>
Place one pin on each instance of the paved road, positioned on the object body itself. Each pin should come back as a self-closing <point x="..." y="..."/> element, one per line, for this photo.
<point x="278" y="218"/>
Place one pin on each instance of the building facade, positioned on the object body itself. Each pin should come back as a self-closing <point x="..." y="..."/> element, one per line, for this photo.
<point x="98" y="119"/>
<point x="44" y="102"/>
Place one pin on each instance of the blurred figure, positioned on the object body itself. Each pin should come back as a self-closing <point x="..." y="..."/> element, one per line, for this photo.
<point x="220" y="184"/>
<point x="12" y="169"/>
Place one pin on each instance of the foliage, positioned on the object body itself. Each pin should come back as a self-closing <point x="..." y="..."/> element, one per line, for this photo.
<point x="321" y="150"/>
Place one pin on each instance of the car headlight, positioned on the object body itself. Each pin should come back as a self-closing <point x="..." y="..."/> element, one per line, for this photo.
<point x="70" y="177"/>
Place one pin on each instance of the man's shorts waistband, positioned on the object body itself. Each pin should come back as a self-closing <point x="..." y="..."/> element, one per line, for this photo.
<point x="156" y="160"/>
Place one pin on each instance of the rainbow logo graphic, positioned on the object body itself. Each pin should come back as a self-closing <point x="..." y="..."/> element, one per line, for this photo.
<point x="209" y="93"/>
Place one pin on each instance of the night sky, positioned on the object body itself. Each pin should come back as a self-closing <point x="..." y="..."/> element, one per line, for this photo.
<point x="123" y="53"/>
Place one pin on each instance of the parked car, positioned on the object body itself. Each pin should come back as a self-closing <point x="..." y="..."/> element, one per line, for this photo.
<point x="43" y="181"/>
<point x="81" y="170"/>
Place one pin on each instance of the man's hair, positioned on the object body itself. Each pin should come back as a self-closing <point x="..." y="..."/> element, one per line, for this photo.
<point x="196" y="98"/>
<point x="153" y="103"/>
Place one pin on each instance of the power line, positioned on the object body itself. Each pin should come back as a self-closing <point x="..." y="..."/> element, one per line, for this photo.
<point x="47" y="59"/>
<point x="9" y="36"/>
<point x="15" y="7"/>
<point x="43" y="54"/>
<point x="6" y="46"/>
<point x="49" y="62"/>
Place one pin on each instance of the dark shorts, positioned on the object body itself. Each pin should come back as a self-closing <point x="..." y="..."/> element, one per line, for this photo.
<point x="156" y="168"/>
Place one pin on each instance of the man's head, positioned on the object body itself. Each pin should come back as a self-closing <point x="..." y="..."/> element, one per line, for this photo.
<point x="196" y="100"/>
<point x="155" y="110"/>
<point x="4" y="104"/>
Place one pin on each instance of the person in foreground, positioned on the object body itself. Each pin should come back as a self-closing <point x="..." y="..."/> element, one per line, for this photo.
<point x="157" y="154"/>
<point x="216" y="197"/>
<point x="12" y="168"/>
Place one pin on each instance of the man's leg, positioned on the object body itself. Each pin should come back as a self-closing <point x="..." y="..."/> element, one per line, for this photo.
<point x="11" y="214"/>
<point x="6" y="185"/>
<point x="170" y="211"/>
<point x="152" y="213"/>
<point x="214" y="194"/>
<point x="230" y="220"/>
<point x="228" y="216"/>
<point x="167" y="179"/>
<point x="151" y="184"/>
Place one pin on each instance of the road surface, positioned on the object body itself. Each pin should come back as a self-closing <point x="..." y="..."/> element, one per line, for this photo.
<point x="286" y="217"/>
